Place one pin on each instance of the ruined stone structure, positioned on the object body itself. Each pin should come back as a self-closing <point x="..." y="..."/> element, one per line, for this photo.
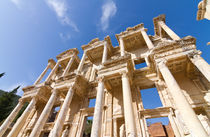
<point x="160" y="130"/>
<point x="107" y="73"/>
<point x="203" y="10"/>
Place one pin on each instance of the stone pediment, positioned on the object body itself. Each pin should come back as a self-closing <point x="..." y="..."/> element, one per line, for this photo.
<point x="67" y="53"/>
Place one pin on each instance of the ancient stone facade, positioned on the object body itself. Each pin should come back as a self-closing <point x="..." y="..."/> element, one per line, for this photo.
<point x="203" y="10"/>
<point x="58" y="107"/>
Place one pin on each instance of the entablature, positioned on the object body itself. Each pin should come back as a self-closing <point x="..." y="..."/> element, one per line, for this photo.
<point x="156" y="112"/>
<point x="132" y="38"/>
<point x="94" y="49"/>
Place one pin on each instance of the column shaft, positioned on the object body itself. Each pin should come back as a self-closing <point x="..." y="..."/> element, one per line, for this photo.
<point x="181" y="103"/>
<point x="58" y="126"/>
<point x="173" y="124"/>
<point x="202" y="65"/>
<point x="97" y="118"/>
<point x="81" y="62"/>
<point x="42" y="74"/>
<point x="68" y="66"/>
<point x="104" y="58"/>
<point x="44" y="115"/>
<point x="52" y="72"/>
<point x="147" y="39"/>
<point x="128" y="107"/>
<point x="147" y="61"/>
<point x="122" y="47"/>
<point x="21" y="121"/>
<point x="10" y="118"/>
<point x="169" y="31"/>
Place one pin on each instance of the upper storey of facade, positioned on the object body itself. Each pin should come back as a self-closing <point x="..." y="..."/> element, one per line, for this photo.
<point x="203" y="10"/>
<point x="101" y="59"/>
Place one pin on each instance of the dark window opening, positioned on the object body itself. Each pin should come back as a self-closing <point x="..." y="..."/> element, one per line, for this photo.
<point x="53" y="114"/>
<point x="46" y="134"/>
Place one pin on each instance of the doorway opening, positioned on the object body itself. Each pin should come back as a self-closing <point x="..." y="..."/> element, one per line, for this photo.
<point x="160" y="127"/>
<point x="88" y="126"/>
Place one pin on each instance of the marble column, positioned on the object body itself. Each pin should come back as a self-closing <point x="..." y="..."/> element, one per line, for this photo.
<point x="21" y="121"/>
<point x="104" y="58"/>
<point x="147" y="61"/>
<point x="44" y="115"/>
<point x="58" y="126"/>
<point x="173" y="124"/>
<point x="122" y="47"/>
<point x="68" y="66"/>
<point x="128" y="107"/>
<point x="147" y="39"/>
<point x="81" y="62"/>
<point x="52" y="72"/>
<point x="168" y="31"/>
<point x="42" y="74"/>
<point x="188" y="114"/>
<point x="202" y="65"/>
<point x="97" y="117"/>
<point x="10" y="118"/>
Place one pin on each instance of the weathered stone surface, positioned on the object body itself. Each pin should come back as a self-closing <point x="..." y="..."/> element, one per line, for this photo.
<point x="109" y="74"/>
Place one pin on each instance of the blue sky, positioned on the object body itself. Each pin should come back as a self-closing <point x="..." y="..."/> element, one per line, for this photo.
<point x="32" y="31"/>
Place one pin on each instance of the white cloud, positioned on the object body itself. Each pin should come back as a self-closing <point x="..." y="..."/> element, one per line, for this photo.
<point x="13" y="86"/>
<point x="65" y="37"/>
<point x="109" y="9"/>
<point x="16" y="2"/>
<point x="60" y="7"/>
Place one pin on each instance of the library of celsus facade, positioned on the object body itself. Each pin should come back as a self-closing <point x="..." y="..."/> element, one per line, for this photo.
<point x="58" y="106"/>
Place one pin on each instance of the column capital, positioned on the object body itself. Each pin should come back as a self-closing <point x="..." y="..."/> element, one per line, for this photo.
<point x="161" y="63"/>
<point x="124" y="74"/>
<point x="195" y="54"/>
<point x="21" y="100"/>
<point x="101" y="79"/>
<point x="143" y="29"/>
<point x="55" y="90"/>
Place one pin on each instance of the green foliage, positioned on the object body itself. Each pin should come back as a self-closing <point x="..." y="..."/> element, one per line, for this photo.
<point x="2" y="74"/>
<point x="8" y="100"/>
<point x="88" y="128"/>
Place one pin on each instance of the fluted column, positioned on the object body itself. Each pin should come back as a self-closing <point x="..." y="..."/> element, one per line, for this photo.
<point x="128" y="108"/>
<point x="201" y="64"/>
<point x="104" y="58"/>
<point x="81" y="62"/>
<point x="168" y="31"/>
<point x="44" y="115"/>
<point x="10" y="118"/>
<point x="68" y="66"/>
<point x="21" y="121"/>
<point x="42" y="74"/>
<point x="97" y="117"/>
<point x="188" y="114"/>
<point x="147" y="39"/>
<point x="122" y="47"/>
<point x="53" y="71"/>
<point x="58" y="126"/>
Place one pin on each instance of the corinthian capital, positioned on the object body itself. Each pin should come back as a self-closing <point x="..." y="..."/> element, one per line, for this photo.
<point x="195" y="54"/>
<point x="124" y="74"/>
<point x="161" y="63"/>
<point x="100" y="79"/>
